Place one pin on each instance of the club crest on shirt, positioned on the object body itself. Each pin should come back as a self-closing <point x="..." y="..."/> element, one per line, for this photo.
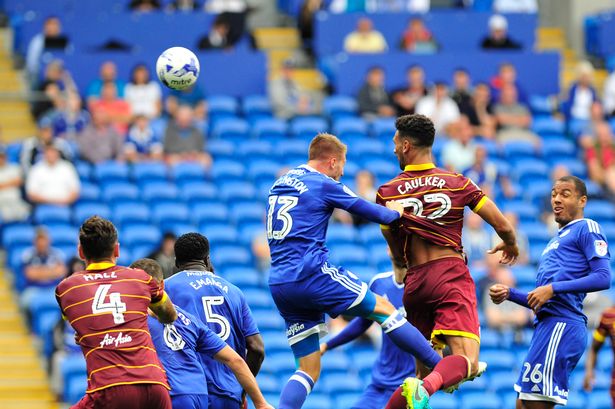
<point x="601" y="247"/>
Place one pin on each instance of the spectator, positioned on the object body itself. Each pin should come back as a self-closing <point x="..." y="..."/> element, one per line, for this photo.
<point x="365" y="39"/>
<point x="260" y="250"/>
<point x="165" y="254"/>
<point x="581" y="95"/>
<point x="522" y="241"/>
<point x="487" y="175"/>
<point x="142" y="142"/>
<point x="513" y="118"/>
<point x="43" y="267"/>
<point x="305" y="20"/>
<point x="193" y="97"/>
<point x="507" y="75"/>
<point x="234" y="12"/>
<point x="68" y="118"/>
<point x="507" y="315"/>
<point x="462" y="91"/>
<point x="56" y="81"/>
<point x="289" y="99"/>
<point x="600" y="157"/>
<point x="515" y="6"/>
<point x="53" y="180"/>
<point x="373" y="99"/>
<point x="405" y="99"/>
<point x="51" y="38"/>
<point x="589" y="128"/>
<point x="144" y="6"/>
<point x="142" y="94"/>
<point x="108" y="73"/>
<point x="117" y="110"/>
<point x="459" y="151"/>
<point x="12" y="206"/>
<point x="481" y="111"/>
<point x="365" y="188"/>
<point x="475" y="239"/>
<point x="439" y="107"/>
<point x="498" y="36"/>
<point x="183" y="141"/>
<point x="99" y="141"/>
<point x="32" y="150"/>
<point x="217" y="37"/>
<point x="608" y="95"/>
<point x="183" y="5"/>
<point x="417" y="38"/>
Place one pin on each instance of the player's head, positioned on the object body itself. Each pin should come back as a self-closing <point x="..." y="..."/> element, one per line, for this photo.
<point x="327" y="154"/>
<point x="98" y="240"/>
<point x="415" y="134"/>
<point x="192" y="248"/>
<point x="568" y="199"/>
<point x="150" y="266"/>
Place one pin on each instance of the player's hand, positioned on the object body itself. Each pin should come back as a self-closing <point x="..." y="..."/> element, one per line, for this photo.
<point x="398" y="207"/>
<point x="588" y="381"/>
<point x="264" y="405"/>
<point x="539" y="296"/>
<point x="509" y="253"/>
<point x="499" y="293"/>
<point x="323" y="348"/>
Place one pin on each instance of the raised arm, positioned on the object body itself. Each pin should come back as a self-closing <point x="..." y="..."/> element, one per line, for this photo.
<point x="339" y="196"/>
<point x="490" y="213"/>
<point x="597" y="342"/>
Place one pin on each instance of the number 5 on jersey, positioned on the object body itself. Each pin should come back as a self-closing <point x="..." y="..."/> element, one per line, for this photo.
<point x="213" y="318"/>
<point x="286" y="204"/>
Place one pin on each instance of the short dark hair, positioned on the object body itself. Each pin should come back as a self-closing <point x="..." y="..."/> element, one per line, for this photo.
<point x="579" y="185"/>
<point x="191" y="247"/>
<point x="325" y="145"/>
<point x="418" y="128"/>
<point x="150" y="266"/>
<point x="98" y="238"/>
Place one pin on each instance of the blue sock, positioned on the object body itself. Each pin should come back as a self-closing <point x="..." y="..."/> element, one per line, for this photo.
<point x="408" y="338"/>
<point x="296" y="391"/>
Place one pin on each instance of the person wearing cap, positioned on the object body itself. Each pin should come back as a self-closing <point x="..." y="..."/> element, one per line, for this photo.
<point x="33" y="148"/>
<point x="12" y="206"/>
<point x="498" y="38"/>
<point x="52" y="180"/>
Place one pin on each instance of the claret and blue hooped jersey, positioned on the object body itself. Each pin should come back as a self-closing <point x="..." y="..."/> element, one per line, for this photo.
<point x="567" y="257"/>
<point x="223" y="307"/>
<point x="298" y="211"/>
<point x="177" y="345"/>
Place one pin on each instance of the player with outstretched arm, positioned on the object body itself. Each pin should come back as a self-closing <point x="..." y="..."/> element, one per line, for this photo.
<point x="574" y="263"/>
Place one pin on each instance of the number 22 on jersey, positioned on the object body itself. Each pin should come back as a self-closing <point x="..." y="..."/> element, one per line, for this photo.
<point x="286" y="203"/>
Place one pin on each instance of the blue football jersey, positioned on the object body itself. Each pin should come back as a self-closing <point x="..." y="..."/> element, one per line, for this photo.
<point x="393" y="364"/>
<point x="223" y="307"/>
<point x="177" y="346"/>
<point x="567" y="257"/>
<point x="298" y="211"/>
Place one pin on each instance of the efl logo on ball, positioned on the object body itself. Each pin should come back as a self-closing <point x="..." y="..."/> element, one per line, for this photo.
<point x="178" y="68"/>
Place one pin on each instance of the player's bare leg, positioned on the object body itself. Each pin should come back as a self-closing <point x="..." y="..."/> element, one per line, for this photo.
<point x="467" y="347"/>
<point x="526" y="404"/>
<point x="311" y="365"/>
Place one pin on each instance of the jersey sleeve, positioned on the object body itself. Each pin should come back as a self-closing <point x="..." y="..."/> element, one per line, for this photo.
<point x="473" y="196"/>
<point x="602" y="331"/>
<point x="207" y="341"/>
<point x="248" y="324"/>
<point x="337" y="195"/>
<point x="592" y="242"/>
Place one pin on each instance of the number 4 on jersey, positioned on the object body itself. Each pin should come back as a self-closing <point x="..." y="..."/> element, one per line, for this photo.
<point x="286" y="204"/>
<point x="115" y="304"/>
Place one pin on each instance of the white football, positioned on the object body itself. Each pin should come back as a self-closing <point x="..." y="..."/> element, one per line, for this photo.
<point x="178" y="68"/>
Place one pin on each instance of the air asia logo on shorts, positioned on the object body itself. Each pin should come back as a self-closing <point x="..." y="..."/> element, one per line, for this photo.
<point x="601" y="247"/>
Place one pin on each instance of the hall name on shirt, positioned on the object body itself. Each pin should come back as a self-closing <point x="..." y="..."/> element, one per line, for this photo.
<point x="420" y="182"/>
<point x="295" y="183"/>
<point x="206" y="281"/>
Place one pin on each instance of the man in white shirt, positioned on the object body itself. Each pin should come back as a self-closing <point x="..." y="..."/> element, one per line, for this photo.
<point x="365" y="39"/>
<point x="608" y="96"/>
<point x="53" y="180"/>
<point x="12" y="206"/>
<point x="439" y="107"/>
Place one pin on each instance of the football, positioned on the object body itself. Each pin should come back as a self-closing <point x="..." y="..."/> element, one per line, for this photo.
<point x="177" y="68"/>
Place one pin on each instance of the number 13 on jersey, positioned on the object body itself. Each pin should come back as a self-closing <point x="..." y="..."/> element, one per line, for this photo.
<point x="279" y="208"/>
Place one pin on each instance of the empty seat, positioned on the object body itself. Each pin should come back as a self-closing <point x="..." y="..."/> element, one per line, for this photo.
<point x="49" y="214"/>
<point x="525" y="211"/>
<point x="269" y="129"/>
<point x="519" y="149"/>
<point x="221" y="149"/>
<point x="156" y="192"/>
<point x="383" y="128"/>
<point x="228" y="169"/>
<point x="600" y="210"/>
<point x="236" y="190"/>
<point x="247" y="212"/>
<point x="188" y="171"/>
<point x="166" y="213"/>
<point x="350" y="128"/>
<point x="381" y="168"/>
<point x="89" y="192"/>
<point x="261" y="170"/>
<point x="220" y="234"/>
<point x="18" y="235"/>
<point x="243" y="277"/>
<point x="140" y="234"/>
<point x="134" y="213"/>
<point x="64" y="235"/>
<point x="548" y="125"/>
<point x="222" y="104"/>
<point x="348" y="253"/>
<point x="337" y="106"/>
<point x="120" y="191"/>
<point x="83" y="211"/>
<point x="340" y="383"/>
<point x="558" y="148"/>
<point x="259" y="299"/>
<point x="341" y="234"/>
<point x="478" y="400"/>
<point x="208" y="212"/>
<point x="337" y="363"/>
<point x="364" y="148"/>
<point x="444" y="401"/>
<point x="370" y="233"/>
<point x="111" y="171"/>
<point x="235" y="129"/>
<point x="256" y="105"/>
<point x="307" y="128"/>
<point x="231" y="256"/>
<point x="198" y="192"/>
<point x="499" y="360"/>
<point x="149" y="171"/>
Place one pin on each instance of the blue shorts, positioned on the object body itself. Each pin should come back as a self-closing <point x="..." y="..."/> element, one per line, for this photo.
<point x="375" y="397"/>
<point x="222" y="402"/>
<point x="190" y="402"/>
<point x="555" y="350"/>
<point x="303" y="304"/>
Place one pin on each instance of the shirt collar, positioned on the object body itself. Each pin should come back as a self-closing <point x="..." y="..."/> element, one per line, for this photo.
<point x="569" y="224"/>
<point x="422" y="166"/>
<point x="100" y="266"/>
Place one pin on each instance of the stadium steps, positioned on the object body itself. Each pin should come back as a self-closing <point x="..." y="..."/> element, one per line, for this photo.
<point x="15" y="120"/>
<point x="23" y="380"/>
<point x="271" y="38"/>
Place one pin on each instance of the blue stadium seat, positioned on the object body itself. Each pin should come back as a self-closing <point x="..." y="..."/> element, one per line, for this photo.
<point x="383" y="128"/>
<point x="525" y="276"/>
<point x="346" y="400"/>
<point x="249" y="231"/>
<point x="234" y="130"/>
<point x="185" y="172"/>
<point x="348" y="253"/>
<point x="43" y="302"/>
<point x="306" y="128"/>
<point x="291" y="147"/>
<point x="576" y="400"/>
<point x="337" y="362"/>
<point x="228" y="169"/>
<point x="140" y="234"/>
<point x="444" y="401"/>
<point x="208" y="212"/>
<point x="198" y="192"/>
<point x="268" y="321"/>
<point x="340" y="383"/>
<point x="73" y="366"/>
<point x="527" y="171"/>
<point x="13" y="151"/>
<point x="256" y="105"/>
<point x="540" y="104"/>
<point x="219" y="234"/>
<point x="259" y="299"/>
<point x="558" y="148"/>
<point x="236" y="190"/>
<point x="17" y="235"/>
<point x="365" y="148"/>
<point x="600" y="401"/>
<point x="157" y="192"/>
<point x="142" y="251"/>
<point x="49" y="214"/>
<point x="243" y="277"/>
<point x="370" y="233"/>
<point x="89" y="192"/>
<point x="502" y="360"/>
<point x="537" y="191"/>
<point x="75" y="389"/>
<point x="179" y="228"/>
<point x="263" y="170"/>
<point x="111" y="171"/>
<point x="125" y="258"/>
<point x="519" y="149"/>
<point x="170" y="213"/>
<point x="268" y="384"/>
<point x="64" y="235"/>
<point x="339" y="106"/>
<point x="480" y="384"/>
<point x="270" y="129"/>
<point x="220" y="149"/>
<point x="316" y="401"/>
<point x="246" y="212"/>
<point x="501" y="382"/>
<point x="222" y="104"/>
<point x="575" y="166"/>
<point x="338" y="233"/>
<point x="381" y="168"/>
<point x="490" y="339"/>
<point x="548" y="125"/>
<point x="149" y="171"/>
<point x="255" y="149"/>
<point x="351" y="128"/>
<point x="535" y="231"/>
<point x="478" y="400"/>
<point x="124" y="213"/>
<point x="600" y="210"/>
<point x="82" y="211"/>
<point x="524" y="210"/>
<point x="120" y="192"/>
